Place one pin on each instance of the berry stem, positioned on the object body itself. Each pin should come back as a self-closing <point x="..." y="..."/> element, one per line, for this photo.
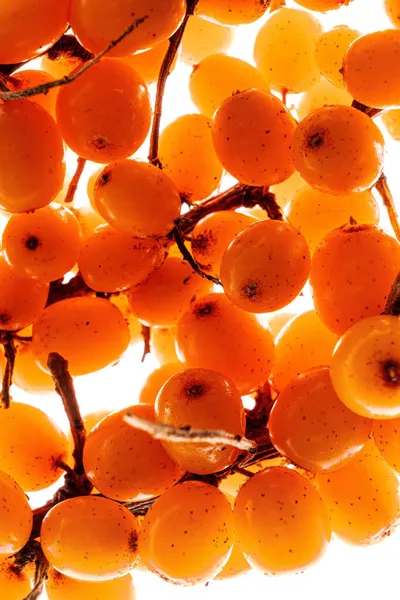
<point x="73" y="185"/>
<point x="178" y="237"/>
<point x="68" y="47"/>
<point x="60" y="291"/>
<point x="174" y="44"/>
<point x="146" y="333"/>
<point x="9" y="353"/>
<point x="45" y="87"/>
<point x="393" y="302"/>
<point x="368" y="110"/>
<point x="42" y="567"/>
<point x="385" y="193"/>
<point x="161" y="431"/>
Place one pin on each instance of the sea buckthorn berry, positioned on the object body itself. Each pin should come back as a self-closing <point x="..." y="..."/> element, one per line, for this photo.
<point x="32" y="165"/>
<point x="232" y="12"/>
<point x="22" y="298"/>
<point x="330" y="50"/>
<point x="213" y="234"/>
<point x="90" y="538"/>
<point x="97" y="24"/>
<point x="28" y="375"/>
<point x="219" y="76"/>
<point x="28" y="27"/>
<point x="365" y="368"/>
<point x="392" y="8"/>
<point x="14" y="584"/>
<point x="60" y="587"/>
<point x="284" y="191"/>
<point x="328" y="134"/>
<point x="156" y="380"/>
<point x="391" y="120"/>
<point x="284" y="50"/>
<point x="16" y="517"/>
<point x="148" y="63"/>
<point x="162" y="342"/>
<point x="184" y="144"/>
<point x="187" y="534"/>
<point x="137" y="198"/>
<point x="323" y="5"/>
<point x="316" y="213"/>
<point x="312" y="427"/>
<point x="265" y="267"/>
<point x="112" y="260"/>
<point x="31" y="78"/>
<point x="242" y="350"/>
<point x="90" y="333"/>
<point x="362" y="497"/>
<point x="33" y="459"/>
<point x="352" y="271"/>
<point x="44" y="244"/>
<point x="88" y="220"/>
<point x="386" y="436"/>
<point x="203" y="399"/>
<point x="276" y="321"/>
<point x="280" y="521"/>
<point x="135" y="327"/>
<point x="105" y="114"/>
<point x="176" y="284"/>
<point x="125" y="463"/>
<point x="252" y="135"/>
<point x="323" y="93"/>
<point x="370" y="69"/>
<point x="302" y="344"/>
<point x="202" y="38"/>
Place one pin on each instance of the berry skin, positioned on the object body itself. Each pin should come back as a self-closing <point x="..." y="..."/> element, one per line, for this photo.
<point x="158" y="377"/>
<point x="60" y="587"/>
<point x="232" y="12"/>
<point x="265" y="267"/>
<point x="202" y="38"/>
<point x="16" y="517"/>
<point x="365" y="368"/>
<point x="14" y="585"/>
<point x="387" y="439"/>
<point x="330" y="51"/>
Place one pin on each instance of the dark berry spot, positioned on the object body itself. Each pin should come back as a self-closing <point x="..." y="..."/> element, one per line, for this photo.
<point x="32" y="243"/>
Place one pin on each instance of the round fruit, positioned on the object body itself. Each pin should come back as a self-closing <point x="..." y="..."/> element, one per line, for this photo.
<point x="16" y="516"/>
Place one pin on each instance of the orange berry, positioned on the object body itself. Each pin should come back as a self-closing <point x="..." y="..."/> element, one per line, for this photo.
<point x="31" y="78"/>
<point x="96" y="24"/>
<point x="392" y="9"/>
<point x="330" y="51"/>
<point x="365" y="368"/>
<point x="28" y="375"/>
<point x="212" y="236"/>
<point x="217" y="77"/>
<point x="302" y="344"/>
<point x="202" y="38"/>
<point x="284" y="50"/>
<point x="110" y="527"/>
<point x="370" y="69"/>
<point x="148" y="63"/>
<point x="387" y="439"/>
<point x="162" y="342"/>
<point x="391" y="120"/>
<point x="33" y="460"/>
<point x="125" y="463"/>
<point x="232" y="12"/>
<point x="203" y="399"/>
<point x="312" y="427"/>
<point x="135" y="327"/>
<point x="176" y="284"/>
<point x="105" y="114"/>
<point x="173" y="527"/>
<point x="14" y="584"/>
<point x="284" y="191"/>
<point x="242" y="350"/>
<point x="31" y="157"/>
<point x="88" y="220"/>
<point x="90" y="333"/>
<point x="184" y="144"/>
<point x="323" y="5"/>
<point x="60" y="587"/>
<point x="113" y="260"/>
<point x="44" y="244"/>
<point x="323" y="93"/>
<point x="156" y="380"/>
<point x="280" y="521"/>
<point x="236" y="565"/>
<point x="316" y="213"/>
<point x="137" y="198"/>
<point x="352" y="272"/>
<point x="252" y="135"/>
<point x="325" y="136"/>
<point x="265" y="267"/>
<point x="17" y="310"/>
<point x="16" y="517"/>
<point x="362" y="498"/>
<point x="276" y="321"/>
<point x="28" y="27"/>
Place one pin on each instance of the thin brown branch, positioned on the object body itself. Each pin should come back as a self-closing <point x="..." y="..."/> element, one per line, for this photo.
<point x="42" y="568"/>
<point x="161" y="431"/>
<point x="257" y="418"/>
<point x="65" y="388"/>
<point x="9" y="353"/>
<point x="385" y="193"/>
<point x="393" y="302"/>
<point x="68" y="47"/>
<point x="186" y="255"/>
<point x="368" y="110"/>
<point x="165" y="70"/>
<point x="269" y="204"/>
<point x="244" y="472"/>
<point x="24" y="339"/>
<point x="284" y="93"/>
<point x="61" y="291"/>
<point x="45" y="87"/>
<point x="146" y="335"/>
<point x="73" y="185"/>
